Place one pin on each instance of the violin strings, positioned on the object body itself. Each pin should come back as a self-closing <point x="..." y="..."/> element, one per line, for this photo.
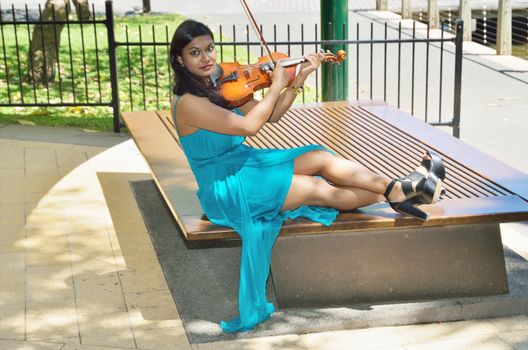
<point x="283" y="60"/>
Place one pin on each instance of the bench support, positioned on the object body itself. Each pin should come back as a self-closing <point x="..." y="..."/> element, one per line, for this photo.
<point x="389" y="265"/>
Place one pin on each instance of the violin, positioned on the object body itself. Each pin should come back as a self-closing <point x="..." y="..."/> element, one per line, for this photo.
<point x="237" y="83"/>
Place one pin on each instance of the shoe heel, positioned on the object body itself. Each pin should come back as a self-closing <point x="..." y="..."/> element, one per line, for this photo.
<point x="438" y="191"/>
<point x="408" y="209"/>
<point x="432" y="191"/>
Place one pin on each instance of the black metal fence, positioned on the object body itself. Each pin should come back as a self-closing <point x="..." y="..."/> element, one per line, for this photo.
<point x="403" y="66"/>
<point x="84" y="71"/>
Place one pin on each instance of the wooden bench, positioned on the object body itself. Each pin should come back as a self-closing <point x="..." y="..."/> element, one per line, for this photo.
<point x="372" y="254"/>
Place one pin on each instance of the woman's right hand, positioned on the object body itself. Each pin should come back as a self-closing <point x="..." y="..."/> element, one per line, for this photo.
<point x="279" y="76"/>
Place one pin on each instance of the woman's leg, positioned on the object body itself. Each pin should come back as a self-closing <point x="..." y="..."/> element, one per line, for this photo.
<point x="309" y="190"/>
<point x="344" y="173"/>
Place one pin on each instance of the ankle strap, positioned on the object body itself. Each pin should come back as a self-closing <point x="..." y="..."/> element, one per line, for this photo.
<point x="389" y="188"/>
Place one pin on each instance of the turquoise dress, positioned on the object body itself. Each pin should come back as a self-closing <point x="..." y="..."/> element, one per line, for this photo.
<point x="244" y="188"/>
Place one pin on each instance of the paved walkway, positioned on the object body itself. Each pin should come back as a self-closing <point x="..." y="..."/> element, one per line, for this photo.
<point x="78" y="270"/>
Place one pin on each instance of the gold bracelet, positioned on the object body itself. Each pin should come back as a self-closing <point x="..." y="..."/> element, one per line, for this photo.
<point x="296" y="89"/>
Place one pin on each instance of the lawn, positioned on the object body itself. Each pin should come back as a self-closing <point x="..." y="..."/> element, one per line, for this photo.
<point x="144" y="75"/>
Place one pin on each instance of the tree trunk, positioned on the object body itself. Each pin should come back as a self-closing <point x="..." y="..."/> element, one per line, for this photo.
<point x="82" y="8"/>
<point x="45" y="40"/>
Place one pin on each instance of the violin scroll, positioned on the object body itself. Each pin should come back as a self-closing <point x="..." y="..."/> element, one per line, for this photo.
<point x="334" y="58"/>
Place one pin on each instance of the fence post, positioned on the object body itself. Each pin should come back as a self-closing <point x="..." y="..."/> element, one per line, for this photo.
<point x="465" y="14"/>
<point x="458" y="76"/>
<point x="146" y="6"/>
<point x="433" y="16"/>
<point x="381" y="5"/>
<point x="504" y="28"/>
<point x="406" y="10"/>
<point x="113" y="63"/>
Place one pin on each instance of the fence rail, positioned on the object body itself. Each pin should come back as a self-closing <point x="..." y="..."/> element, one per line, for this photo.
<point x="76" y="83"/>
<point x="419" y="74"/>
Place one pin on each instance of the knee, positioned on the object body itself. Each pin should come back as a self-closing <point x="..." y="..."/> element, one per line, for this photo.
<point x="337" y="164"/>
<point x="312" y="163"/>
<point x="307" y="190"/>
<point x="319" y="191"/>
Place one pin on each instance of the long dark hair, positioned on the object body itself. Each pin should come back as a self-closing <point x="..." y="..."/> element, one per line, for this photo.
<point x="185" y="81"/>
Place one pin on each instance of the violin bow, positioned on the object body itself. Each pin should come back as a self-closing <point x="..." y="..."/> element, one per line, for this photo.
<point x="258" y="33"/>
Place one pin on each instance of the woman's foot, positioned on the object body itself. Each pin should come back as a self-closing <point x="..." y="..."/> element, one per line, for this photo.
<point x="422" y="186"/>
<point x="397" y="193"/>
<point x="400" y="193"/>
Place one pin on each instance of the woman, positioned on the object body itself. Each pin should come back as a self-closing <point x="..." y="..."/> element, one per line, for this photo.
<point x="255" y="190"/>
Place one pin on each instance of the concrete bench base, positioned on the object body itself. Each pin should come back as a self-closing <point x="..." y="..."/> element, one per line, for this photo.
<point x="375" y="266"/>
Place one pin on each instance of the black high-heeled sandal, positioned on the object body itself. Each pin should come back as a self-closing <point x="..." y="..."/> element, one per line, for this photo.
<point x="431" y="191"/>
<point x="434" y="164"/>
<point x="432" y="188"/>
<point x="407" y="206"/>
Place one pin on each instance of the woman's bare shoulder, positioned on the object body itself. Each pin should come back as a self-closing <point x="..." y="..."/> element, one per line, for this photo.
<point x="189" y="103"/>
<point x="184" y="111"/>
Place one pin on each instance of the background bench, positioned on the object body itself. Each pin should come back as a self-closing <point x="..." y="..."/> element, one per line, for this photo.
<point x="371" y="254"/>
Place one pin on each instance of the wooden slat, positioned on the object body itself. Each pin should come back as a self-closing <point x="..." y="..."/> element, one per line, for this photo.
<point x="367" y="148"/>
<point x="467" y="156"/>
<point x="462" y="174"/>
<point x="166" y="118"/>
<point x="414" y="144"/>
<point x="465" y="185"/>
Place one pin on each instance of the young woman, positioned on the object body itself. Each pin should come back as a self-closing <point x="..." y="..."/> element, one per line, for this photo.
<point x="255" y="190"/>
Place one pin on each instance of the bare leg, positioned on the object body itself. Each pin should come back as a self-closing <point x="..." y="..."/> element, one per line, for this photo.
<point x="309" y="190"/>
<point x="345" y="173"/>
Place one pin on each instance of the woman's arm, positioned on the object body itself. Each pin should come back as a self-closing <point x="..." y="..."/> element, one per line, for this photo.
<point x="286" y="99"/>
<point x="288" y="95"/>
<point x="284" y="102"/>
<point x="313" y="61"/>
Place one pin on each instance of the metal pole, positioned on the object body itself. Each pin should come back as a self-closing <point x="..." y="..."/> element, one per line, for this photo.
<point x="334" y="25"/>
<point x="458" y="76"/>
<point x="113" y="64"/>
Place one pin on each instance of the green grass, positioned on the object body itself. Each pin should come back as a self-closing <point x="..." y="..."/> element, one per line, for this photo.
<point x="79" y="77"/>
<point x="520" y="51"/>
<point x="144" y="74"/>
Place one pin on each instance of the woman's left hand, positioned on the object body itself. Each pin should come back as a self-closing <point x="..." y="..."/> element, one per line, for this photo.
<point x="313" y="61"/>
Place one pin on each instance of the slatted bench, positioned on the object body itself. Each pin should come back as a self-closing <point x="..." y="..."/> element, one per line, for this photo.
<point x="371" y="254"/>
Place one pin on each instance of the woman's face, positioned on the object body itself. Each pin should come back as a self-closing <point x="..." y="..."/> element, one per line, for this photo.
<point x="199" y="56"/>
